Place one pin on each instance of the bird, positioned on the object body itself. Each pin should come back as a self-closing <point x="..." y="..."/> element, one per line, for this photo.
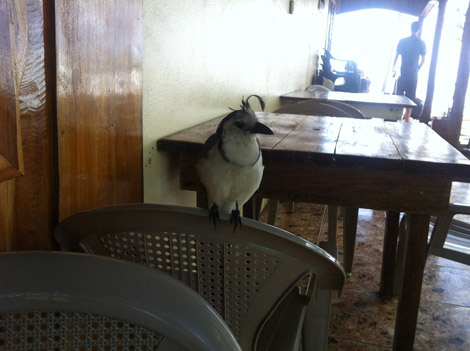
<point x="232" y="167"/>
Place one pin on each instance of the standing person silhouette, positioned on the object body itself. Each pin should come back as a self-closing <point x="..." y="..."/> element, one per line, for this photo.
<point x="411" y="49"/>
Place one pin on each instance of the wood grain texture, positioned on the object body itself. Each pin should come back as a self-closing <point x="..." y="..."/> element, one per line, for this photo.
<point x="336" y="161"/>
<point x="7" y="194"/>
<point x="35" y="207"/>
<point x="27" y="208"/>
<point x="343" y="142"/>
<point x="342" y="186"/>
<point x="415" y="260"/>
<point x="99" y="93"/>
<point x="389" y="254"/>
<point x="11" y="65"/>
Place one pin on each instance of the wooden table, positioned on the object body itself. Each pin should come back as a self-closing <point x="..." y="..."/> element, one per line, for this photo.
<point x="391" y="166"/>
<point x="389" y="107"/>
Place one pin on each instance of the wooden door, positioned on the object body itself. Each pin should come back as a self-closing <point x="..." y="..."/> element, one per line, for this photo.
<point x="70" y="113"/>
<point x="11" y="163"/>
<point x="27" y="207"/>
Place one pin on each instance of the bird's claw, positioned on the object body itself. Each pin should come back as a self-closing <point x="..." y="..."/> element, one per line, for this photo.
<point x="214" y="215"/>
<point x="235" y="218"/>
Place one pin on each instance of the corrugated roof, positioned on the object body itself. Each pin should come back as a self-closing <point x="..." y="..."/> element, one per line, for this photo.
<point x="411" y="7"/>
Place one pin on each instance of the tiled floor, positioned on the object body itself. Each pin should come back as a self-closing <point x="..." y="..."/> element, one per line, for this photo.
<point x="360" y="319"/>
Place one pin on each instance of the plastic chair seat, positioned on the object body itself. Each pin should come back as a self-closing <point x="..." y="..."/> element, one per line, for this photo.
<point x="70" y="301"/>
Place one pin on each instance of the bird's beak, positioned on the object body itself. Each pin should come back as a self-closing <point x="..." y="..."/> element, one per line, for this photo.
<point x="260" y="128"/>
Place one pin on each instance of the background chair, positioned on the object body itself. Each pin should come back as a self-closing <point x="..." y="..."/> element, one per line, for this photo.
<point x="69" y="301"/>
<point x="449" y="237"/>
<point x="349" y="110"/>
<point x="251" y="277"/>
<point x="335" y="69"/>
<point x="314" y="108"/>
<point x="317" y="88"/>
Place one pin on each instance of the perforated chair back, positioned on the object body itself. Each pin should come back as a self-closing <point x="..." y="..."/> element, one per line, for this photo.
<point x="70" y="301"/>
<point x="315" y="108"/>
<point x="250" y="277"/>
<point x="349" y="109"/>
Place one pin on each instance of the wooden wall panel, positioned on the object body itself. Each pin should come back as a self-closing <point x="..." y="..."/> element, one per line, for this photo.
<point x="99" y="103"/>
<point x="7" y="193"/>
<point x="27" y="207"/>
<point x="10" y="71"/>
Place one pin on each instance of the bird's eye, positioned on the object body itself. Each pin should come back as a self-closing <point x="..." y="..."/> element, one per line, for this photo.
<point x="239" y="124"/>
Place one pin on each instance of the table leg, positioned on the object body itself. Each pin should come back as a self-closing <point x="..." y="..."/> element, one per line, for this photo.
<point x="249" y="208"/>
<point x="332" y="223"/>
<point x="349" y="237"/>
<point x="389" y="254"/>
<point x="272" y="211"/>
<point x="252" y="208"/>
<point x="201" y="199"/>
<point x="408" y="303"/>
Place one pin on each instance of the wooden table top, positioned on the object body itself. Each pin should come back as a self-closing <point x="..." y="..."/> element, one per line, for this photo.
<point x="371" y="143"/>
<point x="365" y="98"/>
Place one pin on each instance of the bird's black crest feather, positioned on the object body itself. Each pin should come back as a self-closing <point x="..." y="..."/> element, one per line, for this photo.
<point x="246" y="105"/>
<point x="245" y="108"/>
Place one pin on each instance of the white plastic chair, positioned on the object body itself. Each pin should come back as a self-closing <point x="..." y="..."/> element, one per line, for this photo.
<point x="251" y="277"/>
<point x="69" y="301"/>
<point x="450" y="238"/>
<point x="324" y="108"/>
<point x="317" y="89"/>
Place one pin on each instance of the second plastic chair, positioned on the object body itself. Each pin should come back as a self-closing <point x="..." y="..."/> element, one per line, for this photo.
<point x="251" y="277"/>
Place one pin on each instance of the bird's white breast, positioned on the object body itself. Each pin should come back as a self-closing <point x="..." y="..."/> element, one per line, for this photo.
<point x="234" y="181"/>
<point x="241" y="151"/>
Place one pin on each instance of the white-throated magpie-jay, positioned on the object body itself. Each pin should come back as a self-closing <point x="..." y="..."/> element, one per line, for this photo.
<point x="232" y="168"/>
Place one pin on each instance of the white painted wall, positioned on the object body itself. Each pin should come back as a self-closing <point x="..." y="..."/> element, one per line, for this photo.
<point x="200" y="57"/>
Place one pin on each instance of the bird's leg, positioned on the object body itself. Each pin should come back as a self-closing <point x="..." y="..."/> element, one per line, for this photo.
<point x="235" y="217"/>
<point x="214" y="215"/>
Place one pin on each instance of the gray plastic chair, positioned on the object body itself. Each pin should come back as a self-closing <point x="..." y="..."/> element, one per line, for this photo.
<point x="324" y="108"/>
<point x="317" y="88"/>
<point x="318" y="91"/>
<point x="251" y="277"/>
<point x="350" y="110"/>
<point x="69" y="301"/>
<point x="450" y="238"/>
